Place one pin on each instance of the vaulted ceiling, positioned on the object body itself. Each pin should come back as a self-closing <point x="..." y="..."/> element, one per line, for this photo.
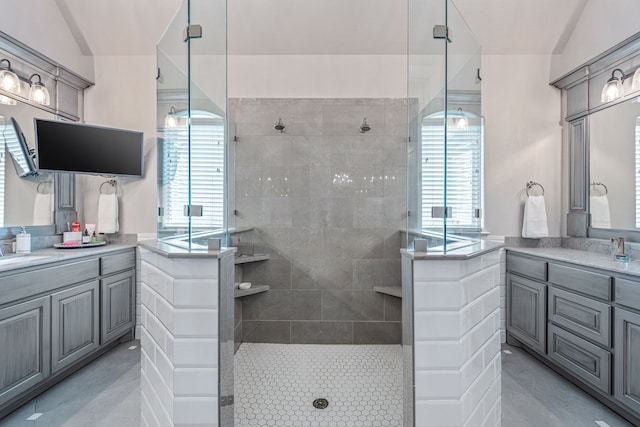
<point x="125" y="27"/>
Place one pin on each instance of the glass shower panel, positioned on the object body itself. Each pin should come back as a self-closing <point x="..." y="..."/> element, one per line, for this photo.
<point x="172" y="85"/>
<point x="426" y="96"/>
<point x="463" y="136"/>
<point x="192" y="125"/>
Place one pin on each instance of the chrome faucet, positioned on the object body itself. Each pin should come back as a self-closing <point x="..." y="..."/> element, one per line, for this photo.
<point x="620" y="255"/>
<point x="620" y="242"/>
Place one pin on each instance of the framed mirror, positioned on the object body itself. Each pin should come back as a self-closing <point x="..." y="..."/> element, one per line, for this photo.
<point x="27" y="198"/>
<point x="614" y="167"/>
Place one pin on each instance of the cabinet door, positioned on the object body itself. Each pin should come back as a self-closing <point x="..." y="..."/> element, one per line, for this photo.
<point x="24" y="344"/>
<point x="627" y="362"/>
<point x="117" y="293"/>
<point x="527" y="311"/>
<point x="74" y="324"/>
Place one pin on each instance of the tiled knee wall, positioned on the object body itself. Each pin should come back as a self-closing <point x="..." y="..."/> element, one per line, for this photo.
<point x="179" y="339"/>
<point x="457" y="341"/>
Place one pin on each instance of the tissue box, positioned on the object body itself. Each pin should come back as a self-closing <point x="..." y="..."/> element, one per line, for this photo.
<point x="72" y="236"/>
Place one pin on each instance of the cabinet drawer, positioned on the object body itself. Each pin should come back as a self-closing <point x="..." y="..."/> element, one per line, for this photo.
<point x="23" y="285"/>
<point x="584" y="316"/>
<point x="117" y="262"/>
<point x="530" y="267"/>
<point x="586" y="361"/>
<point x="586" y="282"/>
<point x="628" y="293"/>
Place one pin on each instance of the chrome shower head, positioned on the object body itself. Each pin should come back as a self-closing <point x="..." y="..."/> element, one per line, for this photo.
<point x="365" y="126"/>
<point x="280" y="127"/>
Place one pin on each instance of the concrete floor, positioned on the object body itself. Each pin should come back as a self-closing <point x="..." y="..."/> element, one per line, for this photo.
<point x="534" y="395"/>
<point x="107" y="393"/>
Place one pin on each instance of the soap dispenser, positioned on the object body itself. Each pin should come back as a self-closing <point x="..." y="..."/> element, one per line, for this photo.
<point x="23" y="242"/>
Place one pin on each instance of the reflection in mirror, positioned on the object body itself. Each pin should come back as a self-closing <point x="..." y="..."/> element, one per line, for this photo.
<point x="614" y="190"/>
<point x="24" y="199"/>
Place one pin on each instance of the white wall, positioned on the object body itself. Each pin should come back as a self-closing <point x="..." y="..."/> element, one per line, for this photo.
<point x="317" y="76"/>
<point x="41" y="26"/>
<point x="602" y="25"/>
<point x="125" y="97"/>
<point x="522" y="113"/>
<point x="523" y="140"/>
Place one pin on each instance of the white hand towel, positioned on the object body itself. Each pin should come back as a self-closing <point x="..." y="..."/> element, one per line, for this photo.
<point x="43" y="209"/>
<point x="534" y="223"/>
<point x="107" y="214"/>
<point x="600" y="213"/>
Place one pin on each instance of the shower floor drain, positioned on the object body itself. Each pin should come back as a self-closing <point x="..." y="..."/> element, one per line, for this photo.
<point x="320" y="403"/>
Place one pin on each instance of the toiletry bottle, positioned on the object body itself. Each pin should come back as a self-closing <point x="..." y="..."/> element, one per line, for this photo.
<point x="94" y="238"/>
<point x="23" y="242"/>
<point x="85" y="236"/>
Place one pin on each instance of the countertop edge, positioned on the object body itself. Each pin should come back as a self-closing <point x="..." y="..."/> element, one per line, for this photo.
<point x="468" y="252"/>
<point x="53" y="255"/>
<point x="170" y="251"/>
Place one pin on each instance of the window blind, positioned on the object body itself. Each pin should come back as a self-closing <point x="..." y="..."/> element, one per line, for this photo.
<point x="207" y="174"/>
<point x="464" y="173"/>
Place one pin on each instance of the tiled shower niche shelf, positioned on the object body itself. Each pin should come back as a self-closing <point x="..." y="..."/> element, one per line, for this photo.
<point x="254" y="289"/>
<point x="243" y="259"/>
<point x="394" y="291"/>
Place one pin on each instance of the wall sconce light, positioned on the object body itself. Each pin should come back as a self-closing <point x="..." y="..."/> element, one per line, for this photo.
<point x="613" y="89"/>
<point x="635" y="82"/>
<point x="9" y="80"/>
<point x="365" y="127"/>
<point x="280" y="127"/>
<point x="170" y="120"/>
<point x="38" y="92"/>
<point x="459" y="120"/>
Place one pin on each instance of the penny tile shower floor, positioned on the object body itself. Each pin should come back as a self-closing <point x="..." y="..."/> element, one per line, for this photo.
<point x="276" y="384"/>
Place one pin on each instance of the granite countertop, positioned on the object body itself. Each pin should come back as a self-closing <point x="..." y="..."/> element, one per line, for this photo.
<point x="466" y="252"/>
<point x="171" y="251"/>
<point x="49" y="255"/>
<point x="584" y="258"/>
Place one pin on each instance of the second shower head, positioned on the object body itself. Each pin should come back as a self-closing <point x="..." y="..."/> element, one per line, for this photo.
<point x="280" y="127"/>
<point x="364" y="127"/>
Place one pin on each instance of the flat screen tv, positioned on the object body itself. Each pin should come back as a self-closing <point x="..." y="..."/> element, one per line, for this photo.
<point x="80" y="148"/>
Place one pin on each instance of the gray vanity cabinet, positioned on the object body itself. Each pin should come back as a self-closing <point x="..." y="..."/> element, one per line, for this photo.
<point x="74" y="324"/>
<point x="627" y="359"/>
<point x="117" y="295"/>
<point x="24" y="340"/>
<point x="56" y="316"/>
<point x="527" y="311"/>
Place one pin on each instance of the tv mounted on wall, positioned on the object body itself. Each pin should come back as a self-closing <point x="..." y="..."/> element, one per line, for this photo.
<point x="80" y="148"/>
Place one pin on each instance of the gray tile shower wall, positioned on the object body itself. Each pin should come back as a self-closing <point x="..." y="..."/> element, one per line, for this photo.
<point x="327" y="203"/>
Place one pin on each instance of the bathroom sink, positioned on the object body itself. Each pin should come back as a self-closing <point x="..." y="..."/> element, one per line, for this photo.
<point x="19" y="259"/>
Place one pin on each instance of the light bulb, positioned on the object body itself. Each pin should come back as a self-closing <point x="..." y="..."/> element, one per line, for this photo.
<point x="5" y="100"/>
<point x="10" y="82"/>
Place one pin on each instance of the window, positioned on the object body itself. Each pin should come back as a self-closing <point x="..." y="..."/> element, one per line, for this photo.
<point x="464" y="171"/>
<point x="207" y="172"/>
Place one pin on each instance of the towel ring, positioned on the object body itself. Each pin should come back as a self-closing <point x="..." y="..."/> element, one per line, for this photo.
<point x="533" y="184"/>
<point x="113" y="183"/>
<point x="42" y="187"/>
<point x="594" y="184"/>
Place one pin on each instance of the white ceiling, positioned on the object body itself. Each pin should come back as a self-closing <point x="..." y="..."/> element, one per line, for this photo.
<point x="125" y="27"/>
